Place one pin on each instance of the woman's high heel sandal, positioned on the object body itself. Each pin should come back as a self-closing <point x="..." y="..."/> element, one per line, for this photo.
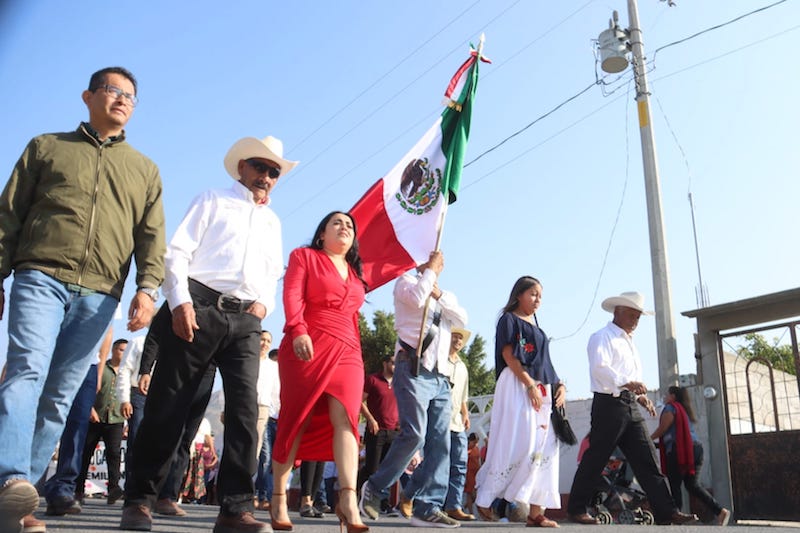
<point x="351" y="528"/>
<point x="279" y="526"/>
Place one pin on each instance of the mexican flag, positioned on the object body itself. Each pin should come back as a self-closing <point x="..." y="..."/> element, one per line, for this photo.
<point x="399" y="216"/>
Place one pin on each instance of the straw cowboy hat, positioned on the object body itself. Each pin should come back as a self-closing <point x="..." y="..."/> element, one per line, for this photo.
<point x="267" y="148"/>
<point x="632" y="299"/>
<point x="465" y="333"/>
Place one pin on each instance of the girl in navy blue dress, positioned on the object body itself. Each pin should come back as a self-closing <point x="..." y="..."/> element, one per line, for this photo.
<point x="525" y="467"/>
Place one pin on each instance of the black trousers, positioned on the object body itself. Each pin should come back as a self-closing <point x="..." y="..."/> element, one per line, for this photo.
<point x="231" y="340"/>
<point x="180" y="462"/>
<point x="311" y="478"/>
<point x="689" y="481"/>
<point x="375" y="449"/>
<point x="617" y="421"/>
<point x="112" y="438"/>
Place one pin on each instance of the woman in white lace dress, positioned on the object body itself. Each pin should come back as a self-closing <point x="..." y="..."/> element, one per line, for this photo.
<point x="522" y="461"/>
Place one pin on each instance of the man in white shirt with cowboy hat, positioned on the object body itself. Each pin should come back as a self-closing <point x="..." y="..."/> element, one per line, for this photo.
<point x="616" y="379"/>
<point x="223" y="265"/>
<point x="459" y="425"/>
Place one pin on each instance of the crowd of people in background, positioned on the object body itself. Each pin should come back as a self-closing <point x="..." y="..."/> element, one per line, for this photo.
<point x="79" y="206"/>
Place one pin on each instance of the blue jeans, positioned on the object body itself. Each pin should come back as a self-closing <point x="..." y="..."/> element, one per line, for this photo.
<point x="264" y="472"/>
<point x="458" y="470"/>
<point x="61" y="486"/>
<point x="52" y="332"/>
<point x="424" y="405"/>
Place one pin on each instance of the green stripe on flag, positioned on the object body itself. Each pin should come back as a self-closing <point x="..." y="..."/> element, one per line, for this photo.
<point x="455" y="133"/>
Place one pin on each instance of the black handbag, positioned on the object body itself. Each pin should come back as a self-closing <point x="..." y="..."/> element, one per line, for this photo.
<point x="561" y="426"/>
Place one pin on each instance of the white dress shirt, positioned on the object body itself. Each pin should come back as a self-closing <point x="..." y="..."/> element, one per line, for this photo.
<point x="613" y="360"/>
<point x="269" y="386"/>
<point x="229" y="243"/>
<point x="410" y="294"/>
<point x="459" y="392"/>
<point x="128" y="373"/>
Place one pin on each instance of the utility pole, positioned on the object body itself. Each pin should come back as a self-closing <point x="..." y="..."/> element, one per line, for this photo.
<point x="665" y="328"/>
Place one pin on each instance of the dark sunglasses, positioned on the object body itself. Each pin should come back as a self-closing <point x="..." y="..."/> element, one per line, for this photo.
<point x="263" y="168"/>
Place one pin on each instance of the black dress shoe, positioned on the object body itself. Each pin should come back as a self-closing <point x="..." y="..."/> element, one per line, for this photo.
<point x="62" y="507"/>
<point x="679" y="518"/>
<point x="583" y="518"/>
<point x="114" y="494"/>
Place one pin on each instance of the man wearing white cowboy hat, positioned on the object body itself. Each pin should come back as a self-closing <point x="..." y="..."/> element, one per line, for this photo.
<point x="459" y="425"/>
<point x="616" y="379"/>
<point x="223" y="265"/>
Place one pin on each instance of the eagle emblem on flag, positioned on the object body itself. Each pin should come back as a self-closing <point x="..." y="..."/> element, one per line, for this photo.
<point x="420" y="187"/>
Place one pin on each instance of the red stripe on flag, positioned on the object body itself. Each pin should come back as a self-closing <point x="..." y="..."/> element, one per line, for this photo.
<point x="457" y="76"/>
<point x="383" y="257"/>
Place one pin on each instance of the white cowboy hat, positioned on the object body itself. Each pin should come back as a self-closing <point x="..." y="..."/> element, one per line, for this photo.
<point x="632" y="299"/>
<point x="267" y="148"/>
<point x="465" y="333"/>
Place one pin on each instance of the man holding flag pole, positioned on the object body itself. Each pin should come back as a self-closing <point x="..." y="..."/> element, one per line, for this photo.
<point x="403" y="216"/>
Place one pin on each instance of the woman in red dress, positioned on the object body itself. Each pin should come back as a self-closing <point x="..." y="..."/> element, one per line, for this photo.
<point x="320" y="365"/>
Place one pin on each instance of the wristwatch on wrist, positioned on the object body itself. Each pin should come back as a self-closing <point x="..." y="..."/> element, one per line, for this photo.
<point x="152" y="293"/>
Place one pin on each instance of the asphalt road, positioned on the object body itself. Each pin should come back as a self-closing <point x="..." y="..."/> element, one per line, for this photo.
<point x="97" y="517"/>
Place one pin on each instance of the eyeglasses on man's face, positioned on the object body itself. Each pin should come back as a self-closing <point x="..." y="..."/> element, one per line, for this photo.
<point x="116" y="92"/>
<point x="264" y="168"/>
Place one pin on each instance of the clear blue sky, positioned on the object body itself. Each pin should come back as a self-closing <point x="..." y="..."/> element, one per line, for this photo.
<point x="350" y="86"/>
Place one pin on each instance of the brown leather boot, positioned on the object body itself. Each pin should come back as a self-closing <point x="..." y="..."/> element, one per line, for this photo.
<point x="242" y="523"/>
<point x="136" y="518"/>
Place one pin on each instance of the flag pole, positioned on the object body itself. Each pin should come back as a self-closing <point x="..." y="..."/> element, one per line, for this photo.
<point x="422" y="332"/>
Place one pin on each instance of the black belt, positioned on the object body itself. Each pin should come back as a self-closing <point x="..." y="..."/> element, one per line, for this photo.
<point x="273" y="420"/>
<point x="625" y="395"/>
<point x="224" y="302"/>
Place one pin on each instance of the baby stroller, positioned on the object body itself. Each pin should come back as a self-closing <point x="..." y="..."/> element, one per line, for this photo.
<point x="617" y="501"/>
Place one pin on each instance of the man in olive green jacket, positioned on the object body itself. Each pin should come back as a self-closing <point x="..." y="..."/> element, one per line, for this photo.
<point x="77" y="208"/>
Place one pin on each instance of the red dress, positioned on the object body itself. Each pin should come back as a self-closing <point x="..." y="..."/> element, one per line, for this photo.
<point x="318" y="302"/>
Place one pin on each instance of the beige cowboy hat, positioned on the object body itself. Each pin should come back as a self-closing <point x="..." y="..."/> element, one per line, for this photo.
<point x="465" y="333"/>
<point x="267" y="148"/>
<point x="632" y="299"/>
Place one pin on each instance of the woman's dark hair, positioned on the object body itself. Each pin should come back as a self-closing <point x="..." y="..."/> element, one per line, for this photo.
<point x="682" y="396"/>
<point x="352" y="257"/>
<point x="523" y="284"/>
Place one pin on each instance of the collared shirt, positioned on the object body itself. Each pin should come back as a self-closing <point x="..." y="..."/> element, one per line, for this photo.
<point x="128" y="373"/>
<point x="93" y="132"/>
<point x="459" y="391"/>
<point x="269" y="386"/>
<point x="381" y="401"/>
<point x="410" y="294"/>
<point x="229" y="243"/>
<point x="613" y="360"/>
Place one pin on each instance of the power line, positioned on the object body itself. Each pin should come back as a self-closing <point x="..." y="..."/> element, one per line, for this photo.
<point x="730" y="52"/>
<point x="307" y="163"/>
<point x="394" y="96"/>
<point x="718" y="26"/>
<point x="547" y="139"/>
<point x="613" y="227"/>
<point x="361" y="162"/>
<point x="538" y="119"/>
<point x="384" y="75"/>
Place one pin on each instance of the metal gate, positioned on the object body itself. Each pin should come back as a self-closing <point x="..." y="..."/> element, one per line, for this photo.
<point x="761" y="390"/>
